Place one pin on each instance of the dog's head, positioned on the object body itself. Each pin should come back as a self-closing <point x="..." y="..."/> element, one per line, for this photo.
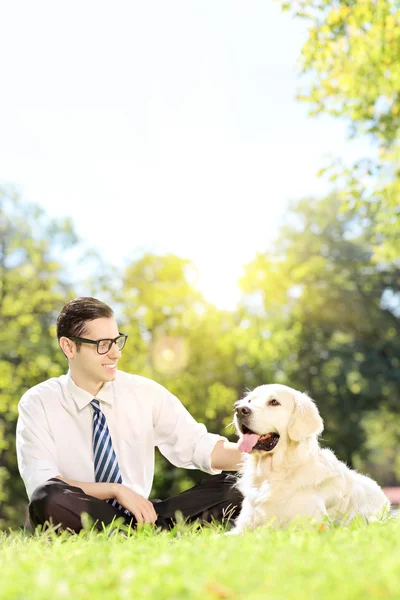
<point x="272" y="412"/>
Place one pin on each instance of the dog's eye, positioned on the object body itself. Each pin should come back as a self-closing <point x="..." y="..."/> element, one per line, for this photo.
<point x="273" y="402"/>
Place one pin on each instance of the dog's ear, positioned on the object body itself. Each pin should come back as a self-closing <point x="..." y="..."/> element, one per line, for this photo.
<point x="305" y="420"/>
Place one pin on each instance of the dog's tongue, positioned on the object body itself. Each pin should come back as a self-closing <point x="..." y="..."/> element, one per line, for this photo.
<point x="248" y="441"/>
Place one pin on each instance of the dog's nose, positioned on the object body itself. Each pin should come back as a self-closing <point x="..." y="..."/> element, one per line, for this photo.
<point x="243" y="411"/>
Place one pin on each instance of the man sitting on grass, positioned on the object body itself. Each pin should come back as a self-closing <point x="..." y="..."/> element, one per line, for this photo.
<point x="85" y="440"/>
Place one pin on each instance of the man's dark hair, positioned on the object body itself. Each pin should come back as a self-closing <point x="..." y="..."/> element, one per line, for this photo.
<point x="75" y="314"/>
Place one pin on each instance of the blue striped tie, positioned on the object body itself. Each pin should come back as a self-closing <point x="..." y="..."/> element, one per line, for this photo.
<point x="106" y="466"/>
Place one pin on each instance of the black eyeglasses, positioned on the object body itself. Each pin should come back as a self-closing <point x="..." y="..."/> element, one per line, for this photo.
<point x="103" y="346"/>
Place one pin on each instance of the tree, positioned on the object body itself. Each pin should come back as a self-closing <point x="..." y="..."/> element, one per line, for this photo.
<point x="200" y="353"/>
<point x="32" y="291"/>
<point x="339" y="316"/>
<point x="175" y="339"/>
<point x="351" y="64"/>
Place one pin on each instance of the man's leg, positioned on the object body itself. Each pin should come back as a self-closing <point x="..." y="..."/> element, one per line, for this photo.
<point x="63" y="505"/>
<point x="214" y="498"/>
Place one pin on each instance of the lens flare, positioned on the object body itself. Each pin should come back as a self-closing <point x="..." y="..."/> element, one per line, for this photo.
<point x="170" y="354"/>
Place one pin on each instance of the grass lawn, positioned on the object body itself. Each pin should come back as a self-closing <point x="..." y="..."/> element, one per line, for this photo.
<point x="303" y="562"/>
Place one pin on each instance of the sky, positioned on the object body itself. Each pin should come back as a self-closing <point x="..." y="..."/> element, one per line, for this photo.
<point x="163" y="126"/>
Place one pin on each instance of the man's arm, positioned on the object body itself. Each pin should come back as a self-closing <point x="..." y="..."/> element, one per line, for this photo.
<point x="36" y="452"/>
<point x="226" y="456"/>
<point x="102" y="491"/>
<point x="141" y="508"/>
<point x="187" y="443"/>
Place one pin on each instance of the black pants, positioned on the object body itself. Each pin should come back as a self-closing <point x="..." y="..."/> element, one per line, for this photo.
<point x="62" y="504"/>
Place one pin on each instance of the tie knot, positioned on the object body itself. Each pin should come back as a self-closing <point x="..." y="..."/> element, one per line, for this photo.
<point x="96" y="404"/>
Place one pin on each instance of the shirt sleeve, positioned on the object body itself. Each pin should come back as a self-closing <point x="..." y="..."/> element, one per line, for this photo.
<point x="180" y="438"/>
<point x="36" y="451"/>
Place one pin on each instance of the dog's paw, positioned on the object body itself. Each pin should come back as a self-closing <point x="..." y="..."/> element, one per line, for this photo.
<point x="233" y="532"/>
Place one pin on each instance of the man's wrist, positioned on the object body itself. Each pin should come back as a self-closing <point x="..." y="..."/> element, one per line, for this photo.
<point x="115" y="489"/>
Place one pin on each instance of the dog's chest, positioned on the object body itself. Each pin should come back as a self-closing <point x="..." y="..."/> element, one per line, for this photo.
<point x="267" y="491"/>
<point x="267" y="501"/>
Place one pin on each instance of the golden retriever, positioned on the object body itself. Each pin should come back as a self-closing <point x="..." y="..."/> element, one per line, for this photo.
<point x="285" y="473"/>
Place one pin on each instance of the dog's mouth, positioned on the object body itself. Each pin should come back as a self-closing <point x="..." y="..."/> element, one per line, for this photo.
<point x="253" y="441"/>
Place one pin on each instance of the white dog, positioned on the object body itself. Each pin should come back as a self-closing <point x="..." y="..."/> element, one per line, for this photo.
<point x="286" y="474"/>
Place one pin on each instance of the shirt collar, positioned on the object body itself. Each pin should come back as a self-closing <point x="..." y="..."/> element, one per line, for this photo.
<point x="83" y="398"/>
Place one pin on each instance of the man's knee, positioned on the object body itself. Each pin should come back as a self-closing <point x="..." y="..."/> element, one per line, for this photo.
<point x="228" y="499"/>
<point x="58" y="503"/>
<point x="227" y="483"/>
<point x="44" y="501"/>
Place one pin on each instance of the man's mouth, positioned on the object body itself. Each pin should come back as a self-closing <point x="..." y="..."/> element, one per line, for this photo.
<point x="253" y="441"/>
<point x="111" y="366"/>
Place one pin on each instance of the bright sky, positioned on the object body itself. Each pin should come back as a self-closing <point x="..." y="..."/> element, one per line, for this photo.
<point x="169" y="126"/>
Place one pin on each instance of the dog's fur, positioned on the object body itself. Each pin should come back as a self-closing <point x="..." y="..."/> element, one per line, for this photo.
<point x="297" y="478"/>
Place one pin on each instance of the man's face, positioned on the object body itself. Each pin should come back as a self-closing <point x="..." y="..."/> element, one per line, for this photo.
<point x="91" y="366"/>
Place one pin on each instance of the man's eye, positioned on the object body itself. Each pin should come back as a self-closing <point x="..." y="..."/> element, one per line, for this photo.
<point x="103" y="344"/>
<point x="273" y="402"/>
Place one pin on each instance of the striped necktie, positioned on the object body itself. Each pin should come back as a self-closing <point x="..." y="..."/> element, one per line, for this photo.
<point x="106" y="466"/>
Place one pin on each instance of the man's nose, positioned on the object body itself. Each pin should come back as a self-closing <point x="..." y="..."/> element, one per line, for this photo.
<point x="243" y="411"/>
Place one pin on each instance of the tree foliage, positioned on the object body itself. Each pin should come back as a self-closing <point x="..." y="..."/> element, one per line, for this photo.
<point x="340" y="315"/>
<point x="32" y="291"/>
<point x="181" y="341"/>
<point x="317" y="315"/>
<point x="351" y="67"/>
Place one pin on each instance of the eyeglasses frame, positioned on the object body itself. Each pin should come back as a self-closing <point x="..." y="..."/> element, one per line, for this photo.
<point x="97" y="342"/>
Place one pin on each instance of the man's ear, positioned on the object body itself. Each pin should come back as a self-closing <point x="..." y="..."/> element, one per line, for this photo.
<point x="67" y="346"/>
<point x="305" y="420"/>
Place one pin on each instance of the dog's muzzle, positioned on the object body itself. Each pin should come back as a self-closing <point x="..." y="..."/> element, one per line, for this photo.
<point x="252" y="440"/>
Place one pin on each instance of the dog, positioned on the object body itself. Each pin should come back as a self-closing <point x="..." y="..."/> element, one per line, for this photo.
<point x="286" y="475"/>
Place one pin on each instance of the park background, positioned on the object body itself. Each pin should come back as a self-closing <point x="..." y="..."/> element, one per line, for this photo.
<point x="225" y="175"/>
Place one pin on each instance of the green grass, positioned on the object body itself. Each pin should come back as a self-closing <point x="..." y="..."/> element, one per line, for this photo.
<point x="303" y="562"/>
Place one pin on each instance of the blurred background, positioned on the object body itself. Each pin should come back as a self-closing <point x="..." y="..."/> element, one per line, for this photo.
<point x="226" y="175"/>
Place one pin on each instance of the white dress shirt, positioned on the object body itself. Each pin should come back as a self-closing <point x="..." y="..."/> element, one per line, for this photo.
<point x="54" y="431"/>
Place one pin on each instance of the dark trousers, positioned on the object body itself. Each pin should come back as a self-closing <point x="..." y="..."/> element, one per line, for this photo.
<point x="214" y="498"/>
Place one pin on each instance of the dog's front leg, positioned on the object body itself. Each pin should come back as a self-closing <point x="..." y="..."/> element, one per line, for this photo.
<point x="245" y="521"/>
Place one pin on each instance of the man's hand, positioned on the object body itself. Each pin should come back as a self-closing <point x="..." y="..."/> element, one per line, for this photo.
<point x="226" y="456"/>
<point x="141" y="508"/>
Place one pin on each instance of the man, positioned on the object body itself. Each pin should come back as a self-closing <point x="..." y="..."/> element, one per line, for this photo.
<point x="85" y="440"/>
